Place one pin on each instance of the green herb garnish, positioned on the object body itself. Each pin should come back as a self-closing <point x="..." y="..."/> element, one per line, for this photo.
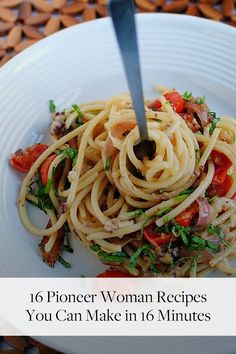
<point x="135" y="213"/>
<point x="113" y="257"/>
<point x="201" y="100"/>
<point x="52" y="106"/>
<point x="184" y="194"/>
<point x="166" y="219"/>
<point x="137" y="253"/>
<point x="67" y="248"/>
<point x="212" y="229"/>
<point x="71" y="153"/>
<point x="107" y="164"/>
<point x="163" y="211"/>
<point x="214" y="121"/>
<point x="95" y="247"/>
<point x="77" y="110"/>
<point x="187" y="95"/>
<point x="64" y="262"/>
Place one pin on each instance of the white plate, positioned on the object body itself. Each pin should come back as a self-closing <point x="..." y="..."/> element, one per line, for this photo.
<point x="82" y="64"/>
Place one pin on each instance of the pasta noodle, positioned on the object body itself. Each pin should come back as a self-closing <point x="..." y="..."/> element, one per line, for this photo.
<point x="165" y="216"/>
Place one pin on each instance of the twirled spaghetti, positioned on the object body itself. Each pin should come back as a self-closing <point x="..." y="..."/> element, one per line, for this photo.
<point x="171" y="215"/>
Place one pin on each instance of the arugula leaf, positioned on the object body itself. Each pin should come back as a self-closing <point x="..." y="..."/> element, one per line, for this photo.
<point x="201" y="100"/>
<point x="37" y="189"/>
<point x="214" y="122"/>
<point x="107" y="164"/>
<point x="182" y="232"/>
<point x="50" y="182"/>
<point x="52" y="106"/>
<point x="187" y="95"/>
<point x="135" y="213"/>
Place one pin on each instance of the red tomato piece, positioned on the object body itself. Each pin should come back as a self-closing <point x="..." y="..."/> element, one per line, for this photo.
<point x="175" y="99"/>
<point x="234" y="197"/>
<point x="45" y="168"/>
<point x="113" y="274"/>
<point x="222" y="164"/>
<point x="23" y="160"/>
<point x="156" y="238"/>
<point x="185" y="218"/>
<point x="221" y="189"/>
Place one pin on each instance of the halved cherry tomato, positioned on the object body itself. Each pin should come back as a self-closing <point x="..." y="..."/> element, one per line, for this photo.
<point x="221" y="189"/>
<point x="22" y="160"/>
<point x="156" y="238"/>
<point x="113" y="274"/>
<point x="185" y="218"/>
<point x="174" y="98"/>
<point x="222" y="164"/>
<point x="45" y="167"/>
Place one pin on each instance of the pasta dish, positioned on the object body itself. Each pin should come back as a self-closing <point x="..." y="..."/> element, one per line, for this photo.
<point x="170" y="214"/>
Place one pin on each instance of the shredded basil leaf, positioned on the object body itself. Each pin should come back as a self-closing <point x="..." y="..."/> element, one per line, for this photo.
<point x="71" y="153"/>
<point x="135" y="256"/>
<point x="214" y="122"/>
<point x="95" y="247"/>
<point x="52" y="106"/>
<point x="212" y="229"/>
<point x="163" y="211"/>
<point x="184" y="194"/>
<point x="113" y="257"/>
<point x="107" y="164"/>
<point x="166" y="219"/>
<point x="135" y="213"/>
<point x="67" y="248"/>
<point x="64" y="262"/>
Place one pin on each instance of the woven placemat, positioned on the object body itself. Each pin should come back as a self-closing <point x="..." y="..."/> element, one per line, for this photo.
<point x="23" y="23"/>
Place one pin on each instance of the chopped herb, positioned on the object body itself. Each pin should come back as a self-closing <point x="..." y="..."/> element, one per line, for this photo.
<point x="184" y="194"/>
<point x="71" y="153"/>
<point x="108" y="164"/>
<point x="212" y="229"/>
<point x="198" y="244"/>
<point x="135" y="256"/>
<point x="162" y="190"/>
<point x="77" y="110"/>
<point x="95" y="247"/>
<point x="52" y="106"/>
<point x="182" y="232"/>
<point x="154" y="269"/>
<point x="135" y="213"/>
<point x="158" y="120"/>
<point x="67" y="249"/>
<point x="214" y="121"/>
<point x="64" y="262"/>
<point x="113" y="257"/>
<point x="163" y="211"/>
<point x="193" y="260"/>
<point x="166" y="219"/>
<point x="37" y="189"/>
<point x="50" y="182"/>
<point x="187" y="95"/>
<point x="201" y="100"/>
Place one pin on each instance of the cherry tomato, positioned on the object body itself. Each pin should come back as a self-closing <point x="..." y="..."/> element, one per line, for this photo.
<point x="113" y="274"/>
<point x="221" y="189"/>
<point x="174" y="98"/>
<point x="222" y="164"/>
<point x="185" y="218"/>
<point x="156" y="238"/>
<point x="23" y="160"/>
<point x="45" y="167"/>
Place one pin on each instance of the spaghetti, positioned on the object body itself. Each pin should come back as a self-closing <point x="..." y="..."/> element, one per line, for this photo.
<point x="172" y="215"/>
